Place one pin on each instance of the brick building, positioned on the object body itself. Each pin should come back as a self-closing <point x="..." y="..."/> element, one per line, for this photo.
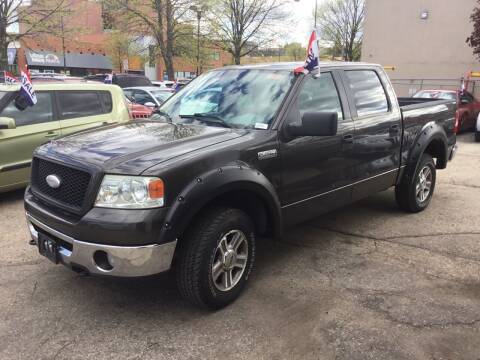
<point x="84" y="49"/>
<point x="81" y="49"/>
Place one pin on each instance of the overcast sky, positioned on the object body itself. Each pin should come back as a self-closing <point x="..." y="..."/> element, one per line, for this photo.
<point x="302" y="21"/>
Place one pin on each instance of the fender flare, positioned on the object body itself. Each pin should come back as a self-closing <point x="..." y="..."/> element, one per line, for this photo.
<point x="212" y="184"/>
<point x="429" y="133"/>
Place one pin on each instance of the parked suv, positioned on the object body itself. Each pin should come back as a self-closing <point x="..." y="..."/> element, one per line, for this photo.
<point x="61" y="109"/>
<point x="240" y="152"/>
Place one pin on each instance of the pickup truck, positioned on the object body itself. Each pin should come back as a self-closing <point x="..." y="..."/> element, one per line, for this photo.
<point x="242" y="152"/>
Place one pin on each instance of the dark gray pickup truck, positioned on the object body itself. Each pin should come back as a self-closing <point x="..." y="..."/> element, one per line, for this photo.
<point x="240" y="152"/>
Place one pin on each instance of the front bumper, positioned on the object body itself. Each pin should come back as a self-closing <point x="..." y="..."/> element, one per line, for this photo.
<point x="121" y="261"/>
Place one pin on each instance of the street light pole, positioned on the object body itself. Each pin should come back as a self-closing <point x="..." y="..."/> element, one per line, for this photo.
<point x="199" y="17"/>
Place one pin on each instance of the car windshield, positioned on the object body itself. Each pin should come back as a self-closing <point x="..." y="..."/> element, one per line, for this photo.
<point x="161" y="96"/>
<point x="236" y="98"/>
<point x="445" y="95"/>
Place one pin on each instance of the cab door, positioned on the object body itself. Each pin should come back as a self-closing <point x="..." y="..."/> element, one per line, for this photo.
<point x="378" y="130"/>
<point x="316" y="170"/>
<point x="35" y="126"/>
<point x="83" y="109"/>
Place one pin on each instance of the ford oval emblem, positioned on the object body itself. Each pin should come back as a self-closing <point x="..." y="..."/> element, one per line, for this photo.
<point x="53" y="181"/>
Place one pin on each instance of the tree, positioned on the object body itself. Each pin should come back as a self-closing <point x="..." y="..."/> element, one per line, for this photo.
<point x="41" y="17"/>
<point x="295" y="50"/>
<point x="162" y="19"/>
<point x="244" y="25"/>
<point x="341" y="21"/>
<point x="474" y="39"/>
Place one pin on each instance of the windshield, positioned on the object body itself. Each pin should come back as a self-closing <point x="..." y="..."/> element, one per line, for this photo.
<point x="242" y="98"/>
<point x="445" y="95"/>
<point x="161" y="96"/>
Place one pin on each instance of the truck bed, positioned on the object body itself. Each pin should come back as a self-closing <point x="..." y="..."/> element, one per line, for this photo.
<point x="410" y="103"/>
<point x="417" y="112"/>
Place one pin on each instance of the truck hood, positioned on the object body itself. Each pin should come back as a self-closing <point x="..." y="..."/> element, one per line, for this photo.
<point x="134" y="147"/>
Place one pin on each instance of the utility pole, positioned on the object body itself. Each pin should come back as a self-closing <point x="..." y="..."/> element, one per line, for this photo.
<point x="316" y="10"/>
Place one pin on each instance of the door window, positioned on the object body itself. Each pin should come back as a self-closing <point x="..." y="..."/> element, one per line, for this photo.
<point x="106" y="98"/>
<point x="368" y="92"/>
<point x="142" y="97"/>
<point x="320" y="94"/>
<point x="41" y="112"/>
<point x="75" y="104"/>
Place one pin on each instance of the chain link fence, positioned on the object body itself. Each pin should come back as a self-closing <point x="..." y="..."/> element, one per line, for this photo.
<point x="408" y="87"/>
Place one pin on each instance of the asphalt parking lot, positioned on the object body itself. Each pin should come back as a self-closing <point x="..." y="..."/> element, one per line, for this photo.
<point x="367" y="281"/>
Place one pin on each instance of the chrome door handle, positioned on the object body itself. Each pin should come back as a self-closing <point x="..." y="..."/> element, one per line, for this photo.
<point x="51" y="134"/>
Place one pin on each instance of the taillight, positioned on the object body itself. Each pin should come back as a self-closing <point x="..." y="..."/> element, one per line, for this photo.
<point x="457" y="122"/>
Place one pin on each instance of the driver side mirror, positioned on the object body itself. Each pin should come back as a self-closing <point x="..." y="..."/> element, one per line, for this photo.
<point x="464" y="101"/>
<point x="7" y="123"/>
<point x="315" y="124"/>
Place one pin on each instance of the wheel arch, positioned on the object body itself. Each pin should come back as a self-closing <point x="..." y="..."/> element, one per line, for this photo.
<point x="237" y="186"/>
<point x="432" y="140"/>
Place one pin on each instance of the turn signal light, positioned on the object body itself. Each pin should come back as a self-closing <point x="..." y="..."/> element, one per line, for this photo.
<point x="156" y="189"/>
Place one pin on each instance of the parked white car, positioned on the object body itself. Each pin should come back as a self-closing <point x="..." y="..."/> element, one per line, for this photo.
<point x="167" y="84"/>
<point x="477" y="129"/>
<point x="150" y="96"/>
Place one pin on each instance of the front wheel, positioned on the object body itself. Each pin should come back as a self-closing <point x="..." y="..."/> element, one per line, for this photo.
<point x="414" y="193"/>
<point x="216" y="257"/>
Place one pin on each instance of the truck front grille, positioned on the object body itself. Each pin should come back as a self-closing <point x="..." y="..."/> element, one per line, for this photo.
<point x="73" y="187"/>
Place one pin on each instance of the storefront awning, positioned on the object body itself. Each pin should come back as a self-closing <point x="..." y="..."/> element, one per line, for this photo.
<point x="73" y="60"/>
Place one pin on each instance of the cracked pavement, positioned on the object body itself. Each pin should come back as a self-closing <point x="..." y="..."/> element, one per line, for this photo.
<point x="364" y="282"/>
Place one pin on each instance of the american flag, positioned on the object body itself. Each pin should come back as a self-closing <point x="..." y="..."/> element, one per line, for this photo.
<point x="313" y="56"/>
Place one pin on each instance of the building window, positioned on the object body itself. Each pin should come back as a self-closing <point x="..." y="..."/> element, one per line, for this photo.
<point x="215" y="56"/>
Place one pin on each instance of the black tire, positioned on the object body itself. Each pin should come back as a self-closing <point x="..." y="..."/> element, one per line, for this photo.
<point x="477" y="136"/>
<point x="405" y="192"/>
<point x="198" y="253"/>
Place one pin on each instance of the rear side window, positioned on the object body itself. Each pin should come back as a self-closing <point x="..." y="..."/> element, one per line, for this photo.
<point x="41" y="112"/>
<point x="106" y="98"/>
<point x="320" y="95"/>
<point x="368" y="92"/>
<point x="75" y="104"/>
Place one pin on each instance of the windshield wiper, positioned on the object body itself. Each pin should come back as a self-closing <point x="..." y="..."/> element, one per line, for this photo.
<point x="207" y="118"/>
<point x="164" y="114"/>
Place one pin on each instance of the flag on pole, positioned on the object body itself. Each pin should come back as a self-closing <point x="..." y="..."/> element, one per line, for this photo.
<point x="9" y="78"/>
<point x="313" y="56"/>
<point x="26" y="89"/>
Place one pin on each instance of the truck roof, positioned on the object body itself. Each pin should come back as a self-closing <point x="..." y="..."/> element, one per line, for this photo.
<point x="293" y="65"/>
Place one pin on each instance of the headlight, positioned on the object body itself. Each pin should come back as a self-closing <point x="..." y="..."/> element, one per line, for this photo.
<point x="130" y="192"/>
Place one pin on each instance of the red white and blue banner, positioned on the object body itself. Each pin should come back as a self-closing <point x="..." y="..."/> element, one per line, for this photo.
<point x="26" y="89"/>
<point x="313" y="56"/>
<point x="9" y="78"/>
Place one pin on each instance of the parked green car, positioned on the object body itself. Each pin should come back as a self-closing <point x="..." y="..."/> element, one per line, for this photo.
<point x="62" y="108"/>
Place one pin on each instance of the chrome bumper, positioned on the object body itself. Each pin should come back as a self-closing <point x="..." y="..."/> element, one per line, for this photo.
<point x="122" y="261"/>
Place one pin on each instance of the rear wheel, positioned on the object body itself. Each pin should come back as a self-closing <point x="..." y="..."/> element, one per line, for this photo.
<point x="216" y="257"/>
<point x="414" y="193"/>
<point x="477" y="136"/>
